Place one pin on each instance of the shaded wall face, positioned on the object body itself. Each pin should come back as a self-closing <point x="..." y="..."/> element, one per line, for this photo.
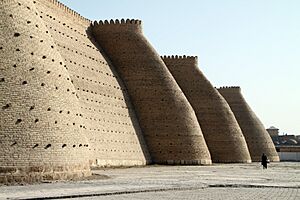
<point x="168" y="121"/>
<point x="108" y="118"/>
<point x="222" y="133"/>
<point x="40" y="127"/>
<point x="257" y="138"/>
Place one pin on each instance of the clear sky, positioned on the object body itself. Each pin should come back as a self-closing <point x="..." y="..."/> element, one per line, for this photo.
<point x="254" y="44"/>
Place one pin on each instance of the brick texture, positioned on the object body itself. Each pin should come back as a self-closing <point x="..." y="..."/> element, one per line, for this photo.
<point x="108" y="118"/>
<point x="221" y="131"/>
<point x="168" y="121"/>
<point x="40" y="127"/>
<point x="257" y="138"/>
<point x="75" y="94"/>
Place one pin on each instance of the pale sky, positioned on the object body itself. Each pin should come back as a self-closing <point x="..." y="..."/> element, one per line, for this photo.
<point x="254" y="44"/>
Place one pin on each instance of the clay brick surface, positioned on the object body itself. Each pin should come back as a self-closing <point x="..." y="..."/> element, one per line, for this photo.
<point x="221" y="131"/>
<point x="257" y="138"/>
<point x="65" y="105"/>
<point x="108" y="118"/>
<point x="39" y="124"/>
<point x="168" y="121"/>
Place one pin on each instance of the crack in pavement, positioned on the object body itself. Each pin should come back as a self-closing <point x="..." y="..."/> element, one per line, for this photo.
<point x="157" y="190"/>
<point x="250" y="186"/>
<point x="110" y="193"/>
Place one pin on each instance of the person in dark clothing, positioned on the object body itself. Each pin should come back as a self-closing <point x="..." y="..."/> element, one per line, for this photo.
<point x="264" y="161"/>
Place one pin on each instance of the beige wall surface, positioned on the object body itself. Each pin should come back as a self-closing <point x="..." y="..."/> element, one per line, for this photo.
<point x="168" y="121"/>
<point x="257" y="138"/>
<point x="221" y="131"/>
<point x="40" y="126"/>
<point x="108" y="118"/>
<point x="75" y="93"/>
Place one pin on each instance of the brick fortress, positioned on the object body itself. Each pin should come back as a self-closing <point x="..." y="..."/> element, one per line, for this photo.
<point x="76" y="93"/>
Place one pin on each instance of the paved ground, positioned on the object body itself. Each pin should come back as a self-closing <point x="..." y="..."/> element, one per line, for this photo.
<point x="230" y="181"/>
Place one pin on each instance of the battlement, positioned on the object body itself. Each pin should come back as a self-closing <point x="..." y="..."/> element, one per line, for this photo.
<point x="181" y="57"/>
<point x="186" y="61"/>
<point x="118" y="25"/>
<point x="229" y="87"/>
<point x="117" y="21"/>
<point x="66" y="9"/>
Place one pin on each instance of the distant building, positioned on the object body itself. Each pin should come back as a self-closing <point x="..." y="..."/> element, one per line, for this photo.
<point x="288" y="152"/>
<point x="287" y="146"/>
<point x="273" y="131"/>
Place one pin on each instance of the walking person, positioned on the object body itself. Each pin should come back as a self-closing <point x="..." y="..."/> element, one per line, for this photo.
<point x="264" y="161"/>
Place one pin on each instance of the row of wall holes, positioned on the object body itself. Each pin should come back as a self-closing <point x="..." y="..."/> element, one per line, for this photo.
<point x="75" y="63"/>
<point x="115" y="150"/>
<point x="73" y="38"/>
<point x="109" y="104"/>
<point x="32" y="108"/>
<point x="105" y="95"/>
<point x="116" y="141"/>
<point x="98" y="82"/>
<point x="64" y="25"/>
<point x="43" y="84"/>
<point x="37" y="120"/>
<point x="49" y="145"/>
<point x="20" y="120"/>
<point x="83" y="54"/>
<point x="28" y="22"/>
<point x="105" y="111"/>
<point x="55" y="122"/>
<point x="108" y="131"/>
<point x="92" y="47"/>
<point x="31" y="37"/>
<point x="108" y="121"/>
<point x="43" y="57"/>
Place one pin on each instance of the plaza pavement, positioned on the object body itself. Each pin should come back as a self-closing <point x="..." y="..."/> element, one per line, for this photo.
<point x="219" y="181"/>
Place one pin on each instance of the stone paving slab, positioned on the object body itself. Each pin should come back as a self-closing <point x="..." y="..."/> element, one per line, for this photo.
<point x="241" y="181"/>
<point x="211" y="194"/>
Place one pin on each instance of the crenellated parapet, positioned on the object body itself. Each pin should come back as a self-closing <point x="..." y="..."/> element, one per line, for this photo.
<point x="118" y="25"/>
<point x="180" y="57"/>
<point x="117" y="21"/>
<point x="182" y="60"/>
<point x="229" y="87"/>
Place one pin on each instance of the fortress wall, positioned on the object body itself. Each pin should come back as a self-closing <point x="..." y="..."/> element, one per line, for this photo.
<point x="108" y="117"/>
<point x="40" y="128"/>
<point x="257" y="138"/>
<point x="168" y="121"/>
<point x="221" y="131"/>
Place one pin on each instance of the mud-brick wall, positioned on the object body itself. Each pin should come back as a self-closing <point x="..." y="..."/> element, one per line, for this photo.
<point x="257" y="138"/>
<point x="221" y="131"/>
<point x="41" y="134"/>
<point x="168" y="121"/>
<point x="108" y="118"/>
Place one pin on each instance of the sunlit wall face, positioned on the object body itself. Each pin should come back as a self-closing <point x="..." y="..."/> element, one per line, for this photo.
<point x="253" y="44"/>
